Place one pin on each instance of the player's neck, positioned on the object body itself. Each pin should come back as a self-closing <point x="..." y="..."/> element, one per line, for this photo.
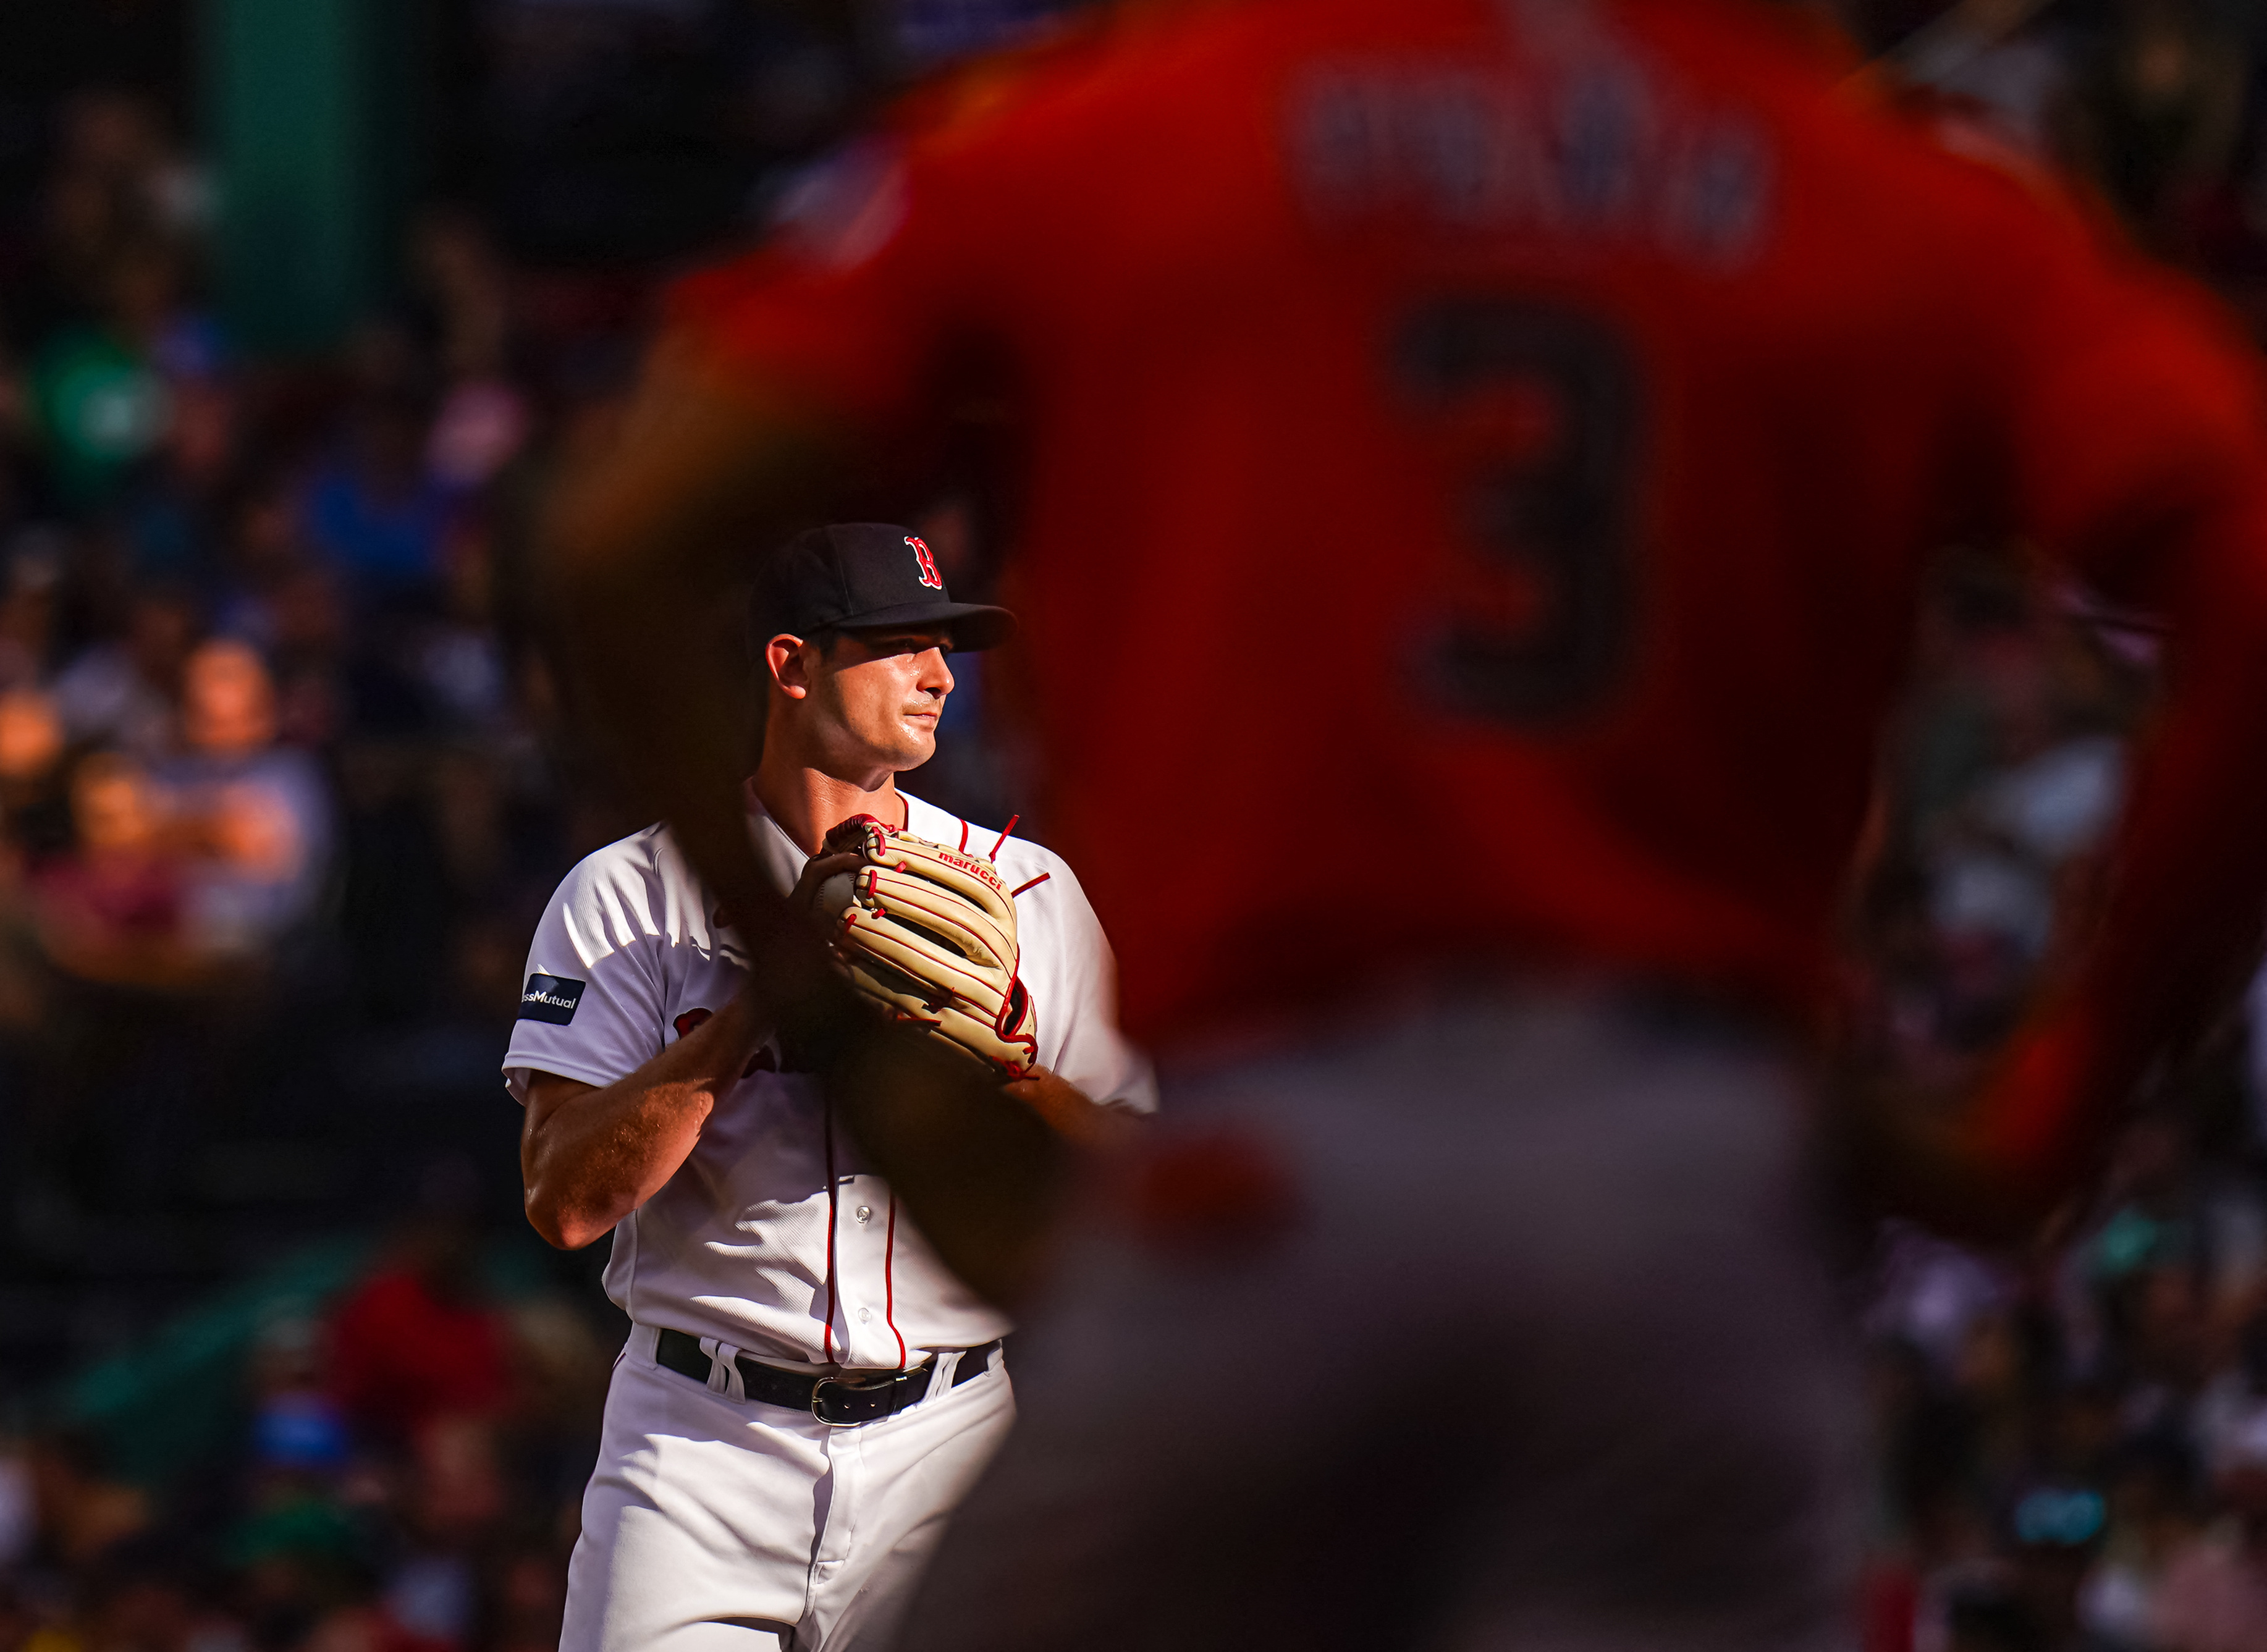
<point x="808" y="801"/>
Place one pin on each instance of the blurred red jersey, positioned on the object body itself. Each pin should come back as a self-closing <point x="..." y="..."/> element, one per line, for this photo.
<point x="1482" y="457"/>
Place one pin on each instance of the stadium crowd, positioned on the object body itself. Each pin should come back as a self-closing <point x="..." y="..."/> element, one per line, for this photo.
<point x="280" y="749"/>
<point x="275" y="765"/>
<point x="2072" y="1440"/>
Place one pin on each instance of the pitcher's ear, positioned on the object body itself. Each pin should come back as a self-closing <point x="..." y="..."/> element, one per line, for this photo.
<point x="788" y="664"/>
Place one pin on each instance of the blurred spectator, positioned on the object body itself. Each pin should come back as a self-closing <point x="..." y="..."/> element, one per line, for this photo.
<point x="530" y="1598"/>
<point x="99" y="396"/>
<point x="376" y="511"/>
<point x="2214" y="1596"/>
<point x="20" y="1514"/>
<point x="415" y="1350"/>
<point x="460" y="658"/>
<point x="255" y="815"/>
<point x="27" y="609"/>
<point x="300" y="621"/>
<point x="33" y="820"/>
<point x="111" y="909"/>
<point x="115" y="178"/>
<point x="297" y="1430"/>
<point x="146" y="1595"/>
<point x="481" y="424"/>
<point x="2162" y="102"/>
<point x="2149" y="1501"/>
<point x="122" y="693"/>
<point x="483" y="418"/>
<point x="82" y="1511"/>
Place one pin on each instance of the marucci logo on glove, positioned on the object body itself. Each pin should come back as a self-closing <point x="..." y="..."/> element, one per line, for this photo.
<point x="550" y="998"/>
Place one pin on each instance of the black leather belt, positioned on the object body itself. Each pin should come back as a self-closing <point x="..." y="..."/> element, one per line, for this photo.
<point x="840" y="1402"/>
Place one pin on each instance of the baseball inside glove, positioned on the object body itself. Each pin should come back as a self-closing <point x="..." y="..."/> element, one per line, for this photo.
<point x="930" y="934"/>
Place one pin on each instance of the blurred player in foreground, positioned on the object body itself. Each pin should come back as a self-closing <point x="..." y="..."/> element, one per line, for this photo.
<point x="806" y="1391"/>
<point x="1481" y="457"/>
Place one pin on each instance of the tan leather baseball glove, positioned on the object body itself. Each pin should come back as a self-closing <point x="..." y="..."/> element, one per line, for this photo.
<point x="930" y="934"/>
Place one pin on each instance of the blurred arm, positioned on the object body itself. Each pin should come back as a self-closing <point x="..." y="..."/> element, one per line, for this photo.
<point x="2125" y="435"/>
<point x="2181" y="928"/>
<point x="705" y="479"/>
<point x="590" y="1155"/>
<point x="1069" y="1112"/>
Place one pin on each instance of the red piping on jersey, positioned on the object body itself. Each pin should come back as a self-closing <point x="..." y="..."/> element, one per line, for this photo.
<point x="1033" y="883"/>
<point x="827" y="1122"/>
<point x="890" y="1282"/>
<point x="964" y="837"/>
<point x="994" y="855"/>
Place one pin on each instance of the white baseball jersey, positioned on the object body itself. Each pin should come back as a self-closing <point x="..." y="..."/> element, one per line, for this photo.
<point x="772" y="1237"/>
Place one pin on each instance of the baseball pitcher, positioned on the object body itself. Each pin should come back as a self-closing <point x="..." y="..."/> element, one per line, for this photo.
<point x="806" y="1391"/>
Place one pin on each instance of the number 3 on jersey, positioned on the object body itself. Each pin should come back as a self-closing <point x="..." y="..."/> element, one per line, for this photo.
<point x="1537" y="410"/>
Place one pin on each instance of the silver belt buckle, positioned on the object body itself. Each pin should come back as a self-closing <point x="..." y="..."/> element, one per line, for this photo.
<point x="858" y="1402"/>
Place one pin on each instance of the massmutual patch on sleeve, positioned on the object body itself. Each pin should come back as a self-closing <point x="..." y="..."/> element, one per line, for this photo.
<point x="550" y="998"/>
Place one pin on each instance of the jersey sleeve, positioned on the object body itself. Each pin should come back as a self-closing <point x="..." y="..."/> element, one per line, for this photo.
<point x="845" y="306"/>
<point x="592" y="1007"/>
<point x="2137" y="436"/>
<point x="2133" y="408"/>
<point x="1094" y="1055"/>
<point x="903" y="249"/>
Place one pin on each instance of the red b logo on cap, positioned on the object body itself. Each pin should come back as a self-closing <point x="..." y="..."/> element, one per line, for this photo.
<point x="930" y="577"/>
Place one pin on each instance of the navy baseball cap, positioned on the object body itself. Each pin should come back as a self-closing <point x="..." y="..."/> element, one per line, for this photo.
<point x="861" y="576"/>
